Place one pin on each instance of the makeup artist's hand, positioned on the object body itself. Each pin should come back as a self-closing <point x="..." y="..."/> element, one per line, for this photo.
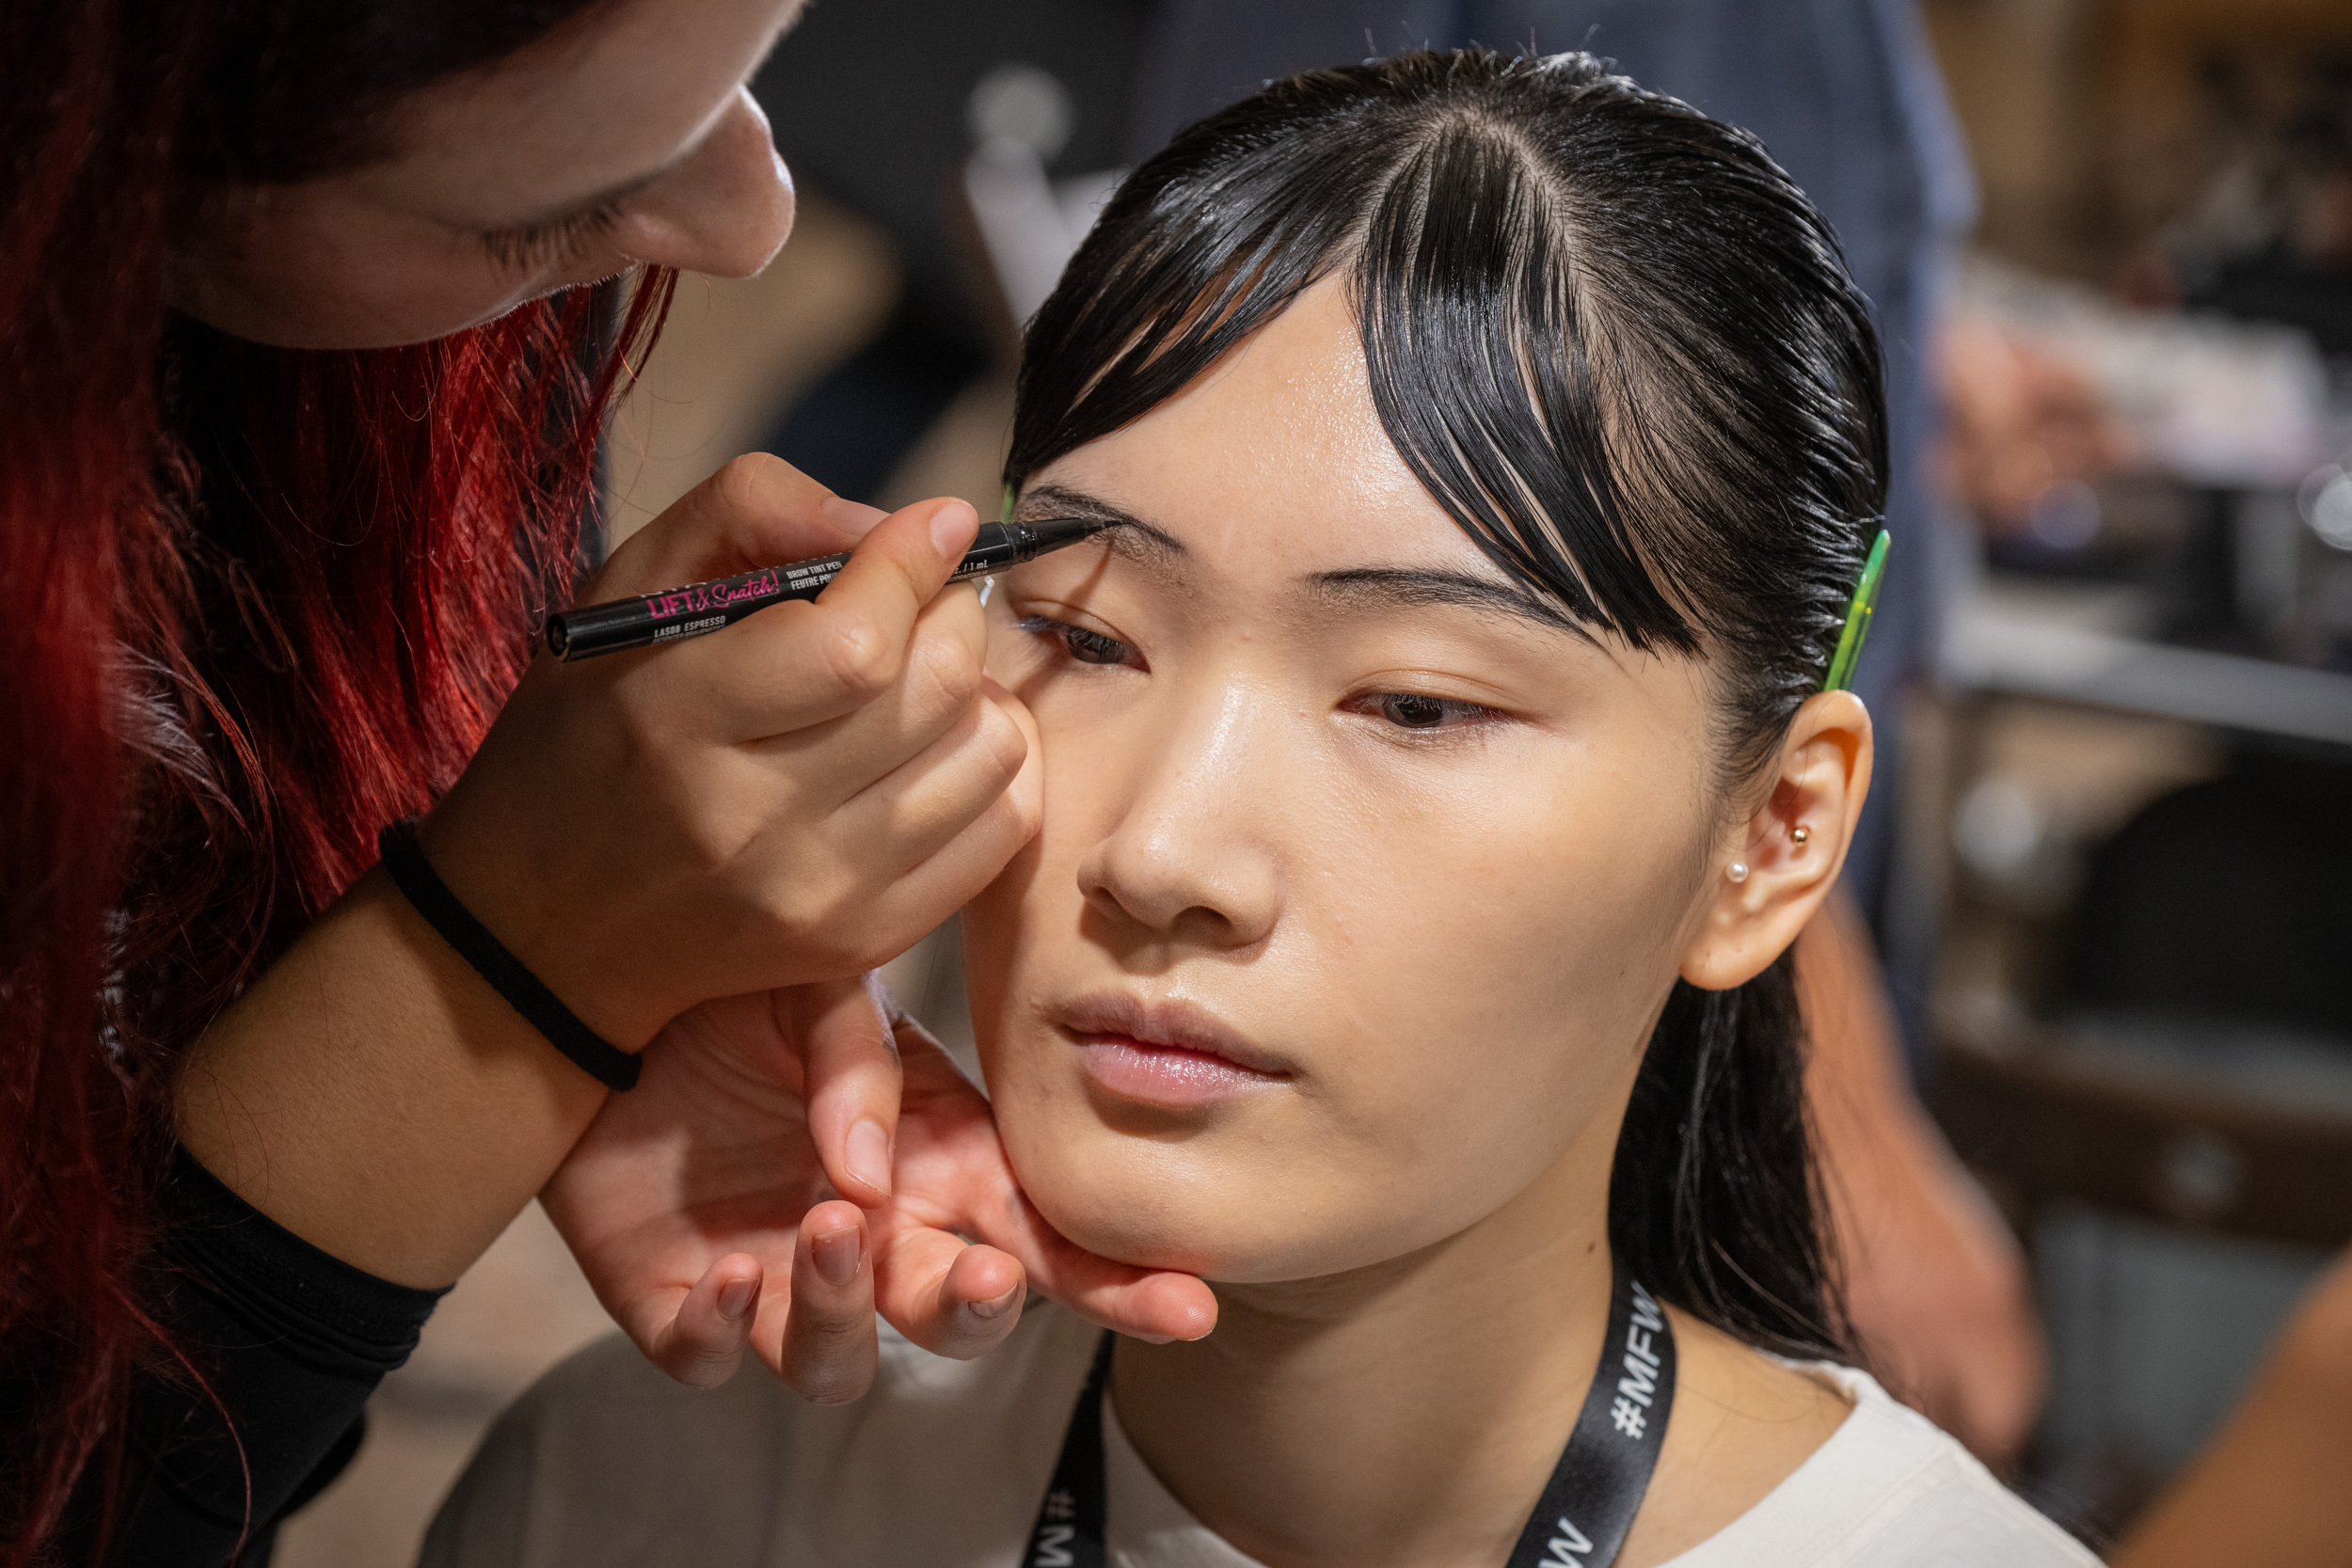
<point x="698" y="1210"/>
<point x="796" y="798"/>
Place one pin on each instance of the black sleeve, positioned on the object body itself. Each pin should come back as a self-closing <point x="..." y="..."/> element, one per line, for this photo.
<point x="290" y="1343"/>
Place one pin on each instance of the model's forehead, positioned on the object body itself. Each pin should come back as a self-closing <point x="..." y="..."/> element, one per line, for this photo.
<point x="1274" y="458"/>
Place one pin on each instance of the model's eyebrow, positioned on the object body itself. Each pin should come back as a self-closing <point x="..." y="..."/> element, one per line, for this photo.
<point x="1147" y="545"/>
<point x="1385" y="587"/>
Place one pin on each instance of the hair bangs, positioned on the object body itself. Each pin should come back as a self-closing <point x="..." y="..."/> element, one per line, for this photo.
<point x="1171" y="278"/>
<point x="1478" y="349"/>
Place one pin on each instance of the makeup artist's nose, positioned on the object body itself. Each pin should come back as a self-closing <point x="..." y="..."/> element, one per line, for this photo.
<point x="1189" y="860"/>
<point x="725" y="212"/>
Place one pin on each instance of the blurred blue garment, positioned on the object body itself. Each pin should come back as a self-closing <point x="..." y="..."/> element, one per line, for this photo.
<point x="1847" y="96"/>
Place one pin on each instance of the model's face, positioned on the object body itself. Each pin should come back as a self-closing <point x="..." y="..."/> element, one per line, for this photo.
<point x="1360" y="885"/>
<point x="625" y="136"/>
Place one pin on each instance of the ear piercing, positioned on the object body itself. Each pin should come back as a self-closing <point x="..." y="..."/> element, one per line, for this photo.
<point x="1799" y="835"/>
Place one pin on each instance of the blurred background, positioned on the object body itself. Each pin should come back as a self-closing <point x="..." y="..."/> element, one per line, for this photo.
<point x="2115" y="900"/>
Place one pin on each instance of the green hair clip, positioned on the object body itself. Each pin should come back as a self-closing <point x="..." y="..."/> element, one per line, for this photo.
<point x="1864" y="600"/>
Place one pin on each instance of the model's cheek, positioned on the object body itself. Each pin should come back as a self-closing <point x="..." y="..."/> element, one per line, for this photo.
<point x="1021" y="928"/>
<point x="1477" y="997"/>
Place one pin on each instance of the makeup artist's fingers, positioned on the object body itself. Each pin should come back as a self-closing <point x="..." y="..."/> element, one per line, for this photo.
<point x="970" y="856"/>
<point x="1154" y="1305"/>
<point x="829" y="1349"/>
<point x="1157" y="1306"/>
<point x="946" y="1295"/>
<point x="797" y="665"/>
<point x="837" y="754"/>
<point x="850" y="1066"/>
<point x="919" y="807"/>
<point x="698" y="1336"/>
<point x="954" y="1181"/>
<point x="756" y="510"/>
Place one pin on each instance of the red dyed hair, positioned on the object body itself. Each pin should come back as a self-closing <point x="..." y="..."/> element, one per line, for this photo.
<point x="253" y="604"/>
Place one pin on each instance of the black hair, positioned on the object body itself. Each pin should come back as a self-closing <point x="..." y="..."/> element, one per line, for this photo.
<point x="1619" y="347"/>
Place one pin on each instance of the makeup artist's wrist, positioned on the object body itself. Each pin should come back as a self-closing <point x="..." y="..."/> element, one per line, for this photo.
<point x="576" y="947"/>
<point x="374" y="1097"/>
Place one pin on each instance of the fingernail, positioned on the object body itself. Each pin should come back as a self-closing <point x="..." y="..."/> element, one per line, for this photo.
<point x="948" y="533"/>
<point x="995" y="1309"/>
<point x="868" y="1155"/>
<point x="854" y="519"/>
<point x="735" y="1297"/>
<point x="837" y="1256"/>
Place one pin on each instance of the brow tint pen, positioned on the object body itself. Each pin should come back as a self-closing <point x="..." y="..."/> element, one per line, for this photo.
<point x="675" y="614"/>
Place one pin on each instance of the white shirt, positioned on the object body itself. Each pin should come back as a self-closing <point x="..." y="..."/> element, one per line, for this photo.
<point x="942" y="1465"/>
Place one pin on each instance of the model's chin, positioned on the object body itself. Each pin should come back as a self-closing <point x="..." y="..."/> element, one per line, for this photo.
<point x="1161" y="1205"/>
<point x="1109" y="1200"/>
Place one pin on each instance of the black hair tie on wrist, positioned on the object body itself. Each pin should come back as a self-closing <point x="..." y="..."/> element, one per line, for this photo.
<point x="403" y="858"/>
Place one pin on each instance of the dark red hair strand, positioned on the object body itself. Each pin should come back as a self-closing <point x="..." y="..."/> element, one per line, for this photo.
<point x="253" y="604"/>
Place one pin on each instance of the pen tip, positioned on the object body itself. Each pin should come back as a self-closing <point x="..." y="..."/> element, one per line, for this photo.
<point x="1052" y="533"/>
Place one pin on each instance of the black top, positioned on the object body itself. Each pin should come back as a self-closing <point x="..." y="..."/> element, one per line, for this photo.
<point x="291" y="1341"/>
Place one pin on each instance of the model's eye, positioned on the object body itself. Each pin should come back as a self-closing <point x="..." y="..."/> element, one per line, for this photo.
<point x="1411" y="710"/>
<point x="1418" y="710"/>
<point x="1092" y="647"/>
<point x="1087" y="647"/>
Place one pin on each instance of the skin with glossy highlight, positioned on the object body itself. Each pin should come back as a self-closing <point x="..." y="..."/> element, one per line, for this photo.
<point x="1363" y="879"/>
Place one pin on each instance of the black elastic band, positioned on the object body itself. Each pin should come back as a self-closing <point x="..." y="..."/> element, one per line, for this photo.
<point x="423" y="888"/>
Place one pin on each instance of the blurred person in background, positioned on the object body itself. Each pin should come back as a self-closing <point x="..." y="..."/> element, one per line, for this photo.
<point x="311" y="318"/>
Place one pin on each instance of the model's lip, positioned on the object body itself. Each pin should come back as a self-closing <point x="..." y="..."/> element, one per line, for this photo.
<point x="1164" y="1024"/>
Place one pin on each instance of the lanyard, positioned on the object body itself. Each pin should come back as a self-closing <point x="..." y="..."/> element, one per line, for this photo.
<point x="1578" y="1521"/>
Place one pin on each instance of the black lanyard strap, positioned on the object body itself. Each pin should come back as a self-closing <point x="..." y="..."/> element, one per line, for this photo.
<point x="1597" y="1486"/>
<point x="1579" y="1521"/>
<point x="1069" y="1532"/>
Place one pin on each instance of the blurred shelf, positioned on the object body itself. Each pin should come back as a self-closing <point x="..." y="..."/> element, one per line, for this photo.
<point x="2075" y="645"/>
<point x="2142" y="1121"/>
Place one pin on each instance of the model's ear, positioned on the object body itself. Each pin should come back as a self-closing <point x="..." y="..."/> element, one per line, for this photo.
<point x="1772" y="871"/>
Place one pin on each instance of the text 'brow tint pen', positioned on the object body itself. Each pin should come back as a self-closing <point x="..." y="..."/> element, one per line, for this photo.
<point x="701" y="608"/>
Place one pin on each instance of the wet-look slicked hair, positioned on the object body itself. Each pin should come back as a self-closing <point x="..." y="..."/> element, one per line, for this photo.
<point x="1618" y="346"/>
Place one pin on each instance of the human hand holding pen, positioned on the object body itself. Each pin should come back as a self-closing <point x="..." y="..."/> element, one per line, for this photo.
<point x="796" y="800"/>
<point x="793" y="801"/>
<point x="698" y="1210"/>
<point x="769" y="812"/>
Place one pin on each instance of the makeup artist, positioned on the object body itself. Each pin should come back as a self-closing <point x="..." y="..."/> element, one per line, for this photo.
<point x="311" y="317"/>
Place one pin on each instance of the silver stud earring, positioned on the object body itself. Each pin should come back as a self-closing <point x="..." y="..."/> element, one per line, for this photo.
<point x="1737" y="871"/>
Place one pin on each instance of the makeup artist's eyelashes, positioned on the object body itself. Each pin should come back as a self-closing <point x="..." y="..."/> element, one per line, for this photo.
<point x="1086" y="646"/>
<point x="528" y="247"/>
